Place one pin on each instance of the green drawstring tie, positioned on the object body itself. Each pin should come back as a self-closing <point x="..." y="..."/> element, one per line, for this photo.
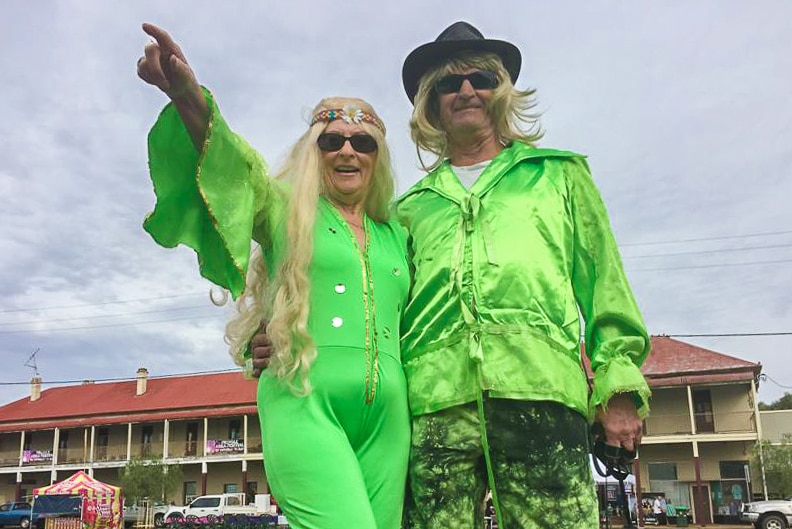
<point x="470" y="209"/>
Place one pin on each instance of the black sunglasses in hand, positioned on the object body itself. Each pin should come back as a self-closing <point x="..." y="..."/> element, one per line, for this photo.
<point x="479" y="80"/>
<point x="333" y="141"/>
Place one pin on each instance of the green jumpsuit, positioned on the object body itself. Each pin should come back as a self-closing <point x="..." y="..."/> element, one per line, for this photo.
<point x="338" y="457"/>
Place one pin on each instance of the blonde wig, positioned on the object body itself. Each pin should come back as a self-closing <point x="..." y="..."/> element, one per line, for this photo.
<point x="510" y="109"/>
<point x="284" y="300"/>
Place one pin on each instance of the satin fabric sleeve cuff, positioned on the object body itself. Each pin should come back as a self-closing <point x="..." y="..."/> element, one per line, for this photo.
<point x="208" y="201"/>
<point x="619" y="375"/>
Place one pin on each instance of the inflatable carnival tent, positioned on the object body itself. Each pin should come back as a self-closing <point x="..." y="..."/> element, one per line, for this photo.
<point x="101" y="505"/>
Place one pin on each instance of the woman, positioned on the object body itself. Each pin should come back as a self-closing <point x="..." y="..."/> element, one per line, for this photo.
<point x="331" y="275"/>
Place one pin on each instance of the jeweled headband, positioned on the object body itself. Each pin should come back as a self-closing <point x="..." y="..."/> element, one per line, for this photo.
<point x="349" y="114"/>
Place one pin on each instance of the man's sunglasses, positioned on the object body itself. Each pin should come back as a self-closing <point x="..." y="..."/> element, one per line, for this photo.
<point x="333" y="141"/>
<point x="479" y="80"/>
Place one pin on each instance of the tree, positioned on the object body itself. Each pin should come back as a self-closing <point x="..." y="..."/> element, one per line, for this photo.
<point x="784" y="403"/>
<point x="149" y="478"/>
<point x="777" y="466"/>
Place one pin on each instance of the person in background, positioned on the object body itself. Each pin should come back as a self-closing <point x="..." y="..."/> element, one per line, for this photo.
<point x="329" y="272"/>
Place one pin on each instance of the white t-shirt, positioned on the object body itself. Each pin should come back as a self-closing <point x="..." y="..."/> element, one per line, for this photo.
<point x="468" y="174"/>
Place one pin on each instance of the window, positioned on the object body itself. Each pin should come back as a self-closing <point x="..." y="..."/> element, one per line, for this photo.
<point x="206" y="503"/>
<point x="702" y="411"/>
<point x="102" y="438"/>
<point x="662" y="471"/>
<point x="28" y="441"/>
<point x="191" y="441"/>
<point x="63" y="440"/>
<point x="235" y="429"/>
<point x="146" y="434"/>
<point x="232" y="500"/>
<point x="251" y="489"/>
<point x="190" y="490"/>
<point x="733" y="469"/>
<point x="230" y="488"/>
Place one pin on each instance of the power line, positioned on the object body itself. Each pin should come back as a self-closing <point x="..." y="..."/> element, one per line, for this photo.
<point x="702" y="239"/>
<point x="97" y="316"/>
<point x="126" y="379"/>
<point x="63" y="329"/>
<point x="730" y="335"/>
<point x="102" y="303"/>
<point x="723" y="265"/>
<point x="698" y="252"/>
<point x="765" y="376"/>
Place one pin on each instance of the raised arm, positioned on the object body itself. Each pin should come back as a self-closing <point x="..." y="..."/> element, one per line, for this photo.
<point x="163" y="65"/>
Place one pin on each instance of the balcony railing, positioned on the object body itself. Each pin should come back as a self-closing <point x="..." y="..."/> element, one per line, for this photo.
<point x="717" y="423"/>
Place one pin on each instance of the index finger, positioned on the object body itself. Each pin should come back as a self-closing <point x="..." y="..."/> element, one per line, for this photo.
<point x="162" y="37"/>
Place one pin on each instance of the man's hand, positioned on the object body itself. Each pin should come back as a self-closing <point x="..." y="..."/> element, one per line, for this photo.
<point x="620" y="422"/>
<point x="261" y="349"/>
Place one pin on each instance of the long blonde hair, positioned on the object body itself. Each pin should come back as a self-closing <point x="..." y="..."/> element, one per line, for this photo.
<point x="510" y="109"/>
<point x="284" y="301"/>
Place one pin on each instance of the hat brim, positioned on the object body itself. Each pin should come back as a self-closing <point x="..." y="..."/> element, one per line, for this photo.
<point x="424" y="57"/>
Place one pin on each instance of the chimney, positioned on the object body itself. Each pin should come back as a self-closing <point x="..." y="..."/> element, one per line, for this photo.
<point x="35" y="388"/>
<point x="142" y="378"/>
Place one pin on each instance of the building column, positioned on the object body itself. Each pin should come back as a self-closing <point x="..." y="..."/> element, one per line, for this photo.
<point x="245" y="434"/>
<point x="129" y="442"/>
<point x="18" y="487"/>
<point x="93" y="443"/>
<point x="244" y="479"/>
<point x="701" y="516"/>
<point x="165" y="439"/>
<point x="691" y="410"/>
<point x="21" y="448"/>
<point x="205" y="435"/>
<point x="636" y="469"/>
<point x="758" y="420"/>
<point x="55" y="443"/>
<point x="204" y="476"/>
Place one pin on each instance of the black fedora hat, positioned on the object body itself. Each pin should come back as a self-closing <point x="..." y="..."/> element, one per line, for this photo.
<point x="459" y="36"/>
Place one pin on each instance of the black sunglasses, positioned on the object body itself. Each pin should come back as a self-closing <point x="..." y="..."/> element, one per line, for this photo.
<point x="333" y="141"/>
<point x="479" y="80"/>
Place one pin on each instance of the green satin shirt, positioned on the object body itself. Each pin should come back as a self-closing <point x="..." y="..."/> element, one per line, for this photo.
<point x="499" y="273"/>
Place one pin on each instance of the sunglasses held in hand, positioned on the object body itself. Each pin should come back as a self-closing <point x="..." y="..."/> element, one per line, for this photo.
<point x="333" y="141"/>
<point x="479" y="80"/>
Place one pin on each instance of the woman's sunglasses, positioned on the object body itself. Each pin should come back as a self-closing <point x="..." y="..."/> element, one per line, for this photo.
<point x="333" y="141"/>
<point x="479" y="80"/>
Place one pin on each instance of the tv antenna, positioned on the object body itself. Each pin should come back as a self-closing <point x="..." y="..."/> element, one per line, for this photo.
<point x="31" y="362"/>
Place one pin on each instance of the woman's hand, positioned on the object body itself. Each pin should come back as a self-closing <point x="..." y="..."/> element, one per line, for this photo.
<point x="164" y="66"/>
<point x="261" y="349"/>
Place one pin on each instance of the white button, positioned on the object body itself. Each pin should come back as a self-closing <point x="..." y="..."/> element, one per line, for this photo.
<point x="337" y="322"/>
<point x="340" y="288"/>
<point x="396" y="272"/>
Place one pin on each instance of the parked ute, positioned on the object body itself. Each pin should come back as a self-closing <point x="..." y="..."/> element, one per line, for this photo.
<point x="771" y="514"/>
<point x="215" y="505"/>
<point x="136" y="514"/>
<point x="15" y="514"/>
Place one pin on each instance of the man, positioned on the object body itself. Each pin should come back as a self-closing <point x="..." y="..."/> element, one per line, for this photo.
<point x="659" y="510"/>
<point x="507" y="242"/>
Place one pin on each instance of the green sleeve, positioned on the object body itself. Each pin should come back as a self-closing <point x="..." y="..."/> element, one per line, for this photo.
<point x="214" y="201"/>
<point x="616" y="339"/>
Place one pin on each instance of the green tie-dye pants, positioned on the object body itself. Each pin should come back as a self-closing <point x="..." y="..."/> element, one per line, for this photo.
<point x="538" y="453"/>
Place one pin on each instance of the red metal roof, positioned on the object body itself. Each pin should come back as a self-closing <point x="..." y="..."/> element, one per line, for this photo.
<point x="675" y="363"/>
<point x="114" y="402"/>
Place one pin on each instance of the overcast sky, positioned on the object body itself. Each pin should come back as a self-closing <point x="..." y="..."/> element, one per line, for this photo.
<point x="683" y="108"/>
